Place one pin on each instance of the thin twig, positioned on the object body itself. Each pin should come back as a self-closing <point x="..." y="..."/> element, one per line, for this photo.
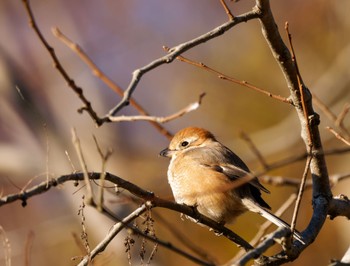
<point x="301" y="88"/>
<point x="70" y="161"/>
<point x="77" y="146"/>
<point x="102" y="76"/>
<point x="28" y="248"/>
<point x="338" y="136"/>
<point x="112" y="233"/>
<point x="341" y="116"/>
<point x="300" y="195"/>
<point x="265" y="226"/>
<point x="227" y="10"/>
<point x="7" y="246"/>
<point x="104" y="158"/>
<point x="295" y="158"/>
<point x="84" y="235"/>
<point x="191" y="107"/>
<point x="337" y="120"/>
<point x="78" y="242"/>
<point x="254" y="149"/>
<point x="165" y="244"/>
<point x="71" y="83"/>
<point x="185" y="240"/>
<point x="324" y="108"/>
<point x="222" y="76"/>
<point x="176" y="51"/>
<point x="47" y="152"/>
<point x="295" y="182"/>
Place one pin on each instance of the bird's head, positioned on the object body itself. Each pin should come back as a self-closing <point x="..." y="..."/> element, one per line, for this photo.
<point x="187" y="138"/>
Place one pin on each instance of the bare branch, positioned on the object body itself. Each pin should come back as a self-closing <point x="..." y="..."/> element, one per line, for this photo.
<point x="84" y="234"/>
<point x="303" y="156"/>
<point x="300" y="195"/>
<point x="227" y="10"/>
<point x="112" y="233"/>
<point x="191" y="107"/>
<point x="222" y="76"/>
<point x="264" y="227"/>
<point x="110" y="83"/>
<point x="338" y="136"/>
<point x="185" y="240"/>
<point x="138" y="192"/>
<point x="7" y="246"/>
<point x="254" y="149"/>
<point x="176" y="51"/>
<point x="268" y="242"/>
<point x="79" y="91"/>
<point x="309" y="122"/>
<point x="341" y="116"/>
<point x="337" y="120"/>
<point x="294" y="182"/>
<point x="83" y="165"/>
<point x="28" y="247"/>
<point x="104" y="158"/>
<point x="339" y="206"/>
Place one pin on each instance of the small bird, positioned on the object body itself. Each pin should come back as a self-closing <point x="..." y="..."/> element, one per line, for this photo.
<point x="202" y="173"/>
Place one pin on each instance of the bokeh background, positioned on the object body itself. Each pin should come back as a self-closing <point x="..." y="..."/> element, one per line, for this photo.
<point x="38" y="112"/>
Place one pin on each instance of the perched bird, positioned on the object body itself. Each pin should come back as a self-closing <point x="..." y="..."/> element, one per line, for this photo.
<point x="202" y="173"/>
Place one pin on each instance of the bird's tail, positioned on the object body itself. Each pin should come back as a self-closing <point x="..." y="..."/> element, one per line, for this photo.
<point x="254" y="207"/>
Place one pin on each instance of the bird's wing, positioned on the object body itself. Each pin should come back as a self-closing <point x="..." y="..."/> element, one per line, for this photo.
<point x="234" y="173"/>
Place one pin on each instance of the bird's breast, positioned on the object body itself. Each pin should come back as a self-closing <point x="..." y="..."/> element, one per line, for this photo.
<point x="194" y="184"/>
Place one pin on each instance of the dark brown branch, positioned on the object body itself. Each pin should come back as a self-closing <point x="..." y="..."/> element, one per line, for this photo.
<point x="309" y="132"/>
<point x="112" y="233"/>
<point x="339" y="206"/>
<point x="158" y="241"/>
<point x="110" y="83"/>
<point x="176" y="51"/>
<point x="268" y="242"/>
<point x="135" y="190"/>
<point x="71" y="83"/>
<point x="186" y="240"/>
<point x="263" y="228"/>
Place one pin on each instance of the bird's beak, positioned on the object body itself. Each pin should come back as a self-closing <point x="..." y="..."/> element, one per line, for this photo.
<point x="166" y="153"/>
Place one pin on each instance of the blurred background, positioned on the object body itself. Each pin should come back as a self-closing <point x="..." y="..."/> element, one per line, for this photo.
<point x="38" y="112"/>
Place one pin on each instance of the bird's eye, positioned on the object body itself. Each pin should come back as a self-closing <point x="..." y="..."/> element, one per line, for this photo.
<point x="184" y="143"/>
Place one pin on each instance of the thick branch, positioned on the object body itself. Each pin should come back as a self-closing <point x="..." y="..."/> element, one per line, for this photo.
<point x="135" y="190"/>
<point x="309" y="125"/>
<point x="339" y="206"/>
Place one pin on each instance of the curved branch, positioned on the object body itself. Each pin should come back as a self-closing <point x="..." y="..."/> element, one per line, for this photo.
<point x="176" y="51"/>
<point x="302" y="100"/>
<point x="112" y="233"/>
<point x="339" y="206"/>
<point x="135" y="190"/>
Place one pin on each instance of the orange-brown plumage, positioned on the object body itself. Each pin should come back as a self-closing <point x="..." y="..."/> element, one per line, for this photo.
<point x="202" y="172"/>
